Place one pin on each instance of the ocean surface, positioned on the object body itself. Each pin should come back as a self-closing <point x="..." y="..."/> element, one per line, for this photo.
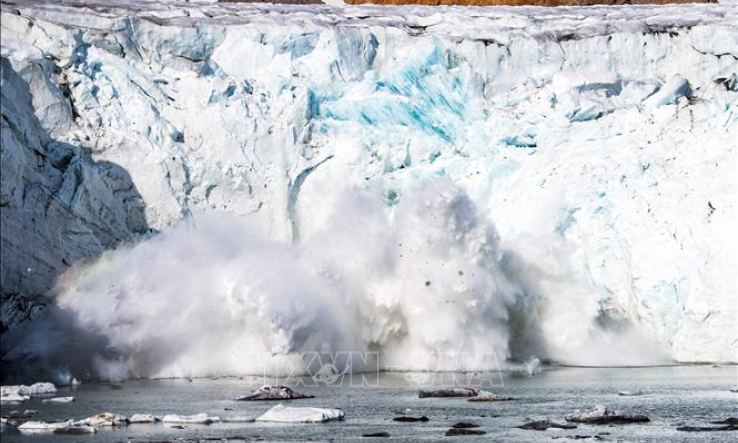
<point x="672" y="396"/>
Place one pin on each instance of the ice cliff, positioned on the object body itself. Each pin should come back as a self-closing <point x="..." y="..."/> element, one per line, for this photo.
<point x="600" y="142"/>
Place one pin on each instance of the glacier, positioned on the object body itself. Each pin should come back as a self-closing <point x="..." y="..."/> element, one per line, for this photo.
<point x="188" y="185"/>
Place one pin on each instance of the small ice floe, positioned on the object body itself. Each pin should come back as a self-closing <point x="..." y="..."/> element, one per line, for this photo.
<point x="34" y="427"/>
<point x="75" y="429"/>
<point x="542" y="425"/>
<point x="488" y="396"/>
<point x="410" y="418"/>
<point x="288" y="414"/>
<point x="14" y="398"/>
<point x="7" y="422"/>
<point x="454" y="432"/>
<point x="41" y="388"/>
<point x="143" y="418"/>
<point x="630" y="393"/>
<point x="268" y="392"/>
<point x="197" y="419"/>
<point x="448" y="392"/>
<point x="106" y="419"/>
<point x="602" y="415"/>
<point x="58" y="400"/>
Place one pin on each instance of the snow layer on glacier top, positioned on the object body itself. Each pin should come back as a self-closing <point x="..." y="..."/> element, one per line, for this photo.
<point x="477" y="23"/>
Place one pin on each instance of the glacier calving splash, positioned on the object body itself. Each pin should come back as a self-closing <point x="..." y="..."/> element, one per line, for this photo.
<point x="269" y="180"/>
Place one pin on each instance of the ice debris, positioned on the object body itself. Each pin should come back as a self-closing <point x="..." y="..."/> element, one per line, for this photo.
<point x="268" y="392"/>
<point x="488" y="396"/>
<point x="106" y="419"/>
<point x="288" y="414"/>
<point x="200" y="419"/>
<point x="602" y="415"/>
<point x="143" y="418"/>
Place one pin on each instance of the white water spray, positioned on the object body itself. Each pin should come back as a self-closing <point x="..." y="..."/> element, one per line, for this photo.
<point x="420" y="284"/>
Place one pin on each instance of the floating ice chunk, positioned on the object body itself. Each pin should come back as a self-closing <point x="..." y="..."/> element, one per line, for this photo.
<point x="448" y="392"/>
<point x="58" y="400"/>
<point x="106" y="419"/>
<point x="41" y="388"/>
<point x="14" y="398"/>
<point x="38" y="389"/>
<point x="672" y="90"/>
<point x="288" y="414"/>
<point x="602" y="415"/>
<point x="75" y="429"/>
<point x="202" y="419"/>
<point x="7" y="422"/>
<point x="32" y="427"/>
<point x="143" y="418"/>
<point x="267" y="392"/>
<point x="488" y="396"/>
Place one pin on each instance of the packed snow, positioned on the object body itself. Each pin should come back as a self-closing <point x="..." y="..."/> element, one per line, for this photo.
<point x="561" y="181"/>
